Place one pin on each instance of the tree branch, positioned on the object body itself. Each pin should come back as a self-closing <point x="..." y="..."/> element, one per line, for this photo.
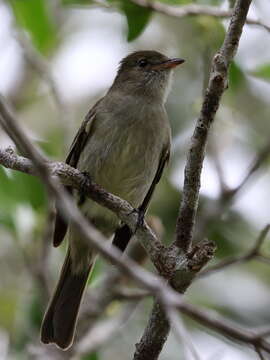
<point x="216" y="86"/>
<point x="104" y="330"/>
<point x="167" y="300"/>
<point x="228" y="195"/>
<point x="253" y="253"/>
<point x="152" y="341"/>
<point x="73" y="177"/>
<point x="194" y="10"/>
<point x="166" y="296"/>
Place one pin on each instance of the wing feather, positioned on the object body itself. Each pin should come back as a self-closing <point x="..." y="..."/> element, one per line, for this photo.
<point x="72" y="159"/>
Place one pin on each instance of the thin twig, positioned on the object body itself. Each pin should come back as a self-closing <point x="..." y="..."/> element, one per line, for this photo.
<point x="180" y="332"/>
<point x="264" y="259"/>
<point x="215" y="210"/>
<point x="262" y="332"/>
<point x="215" y="157"/>
<point x="253" y="253"/>
<point x="256" y="164"/>
<point x="194" y="10"/>
<point x="259" y="352"/>
<point x="104" y="330"/>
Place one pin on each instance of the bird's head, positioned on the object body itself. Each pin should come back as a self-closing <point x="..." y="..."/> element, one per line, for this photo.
<point x="146" y="73"/>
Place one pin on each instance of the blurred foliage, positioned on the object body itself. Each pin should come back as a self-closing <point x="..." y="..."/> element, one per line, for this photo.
<point x="33" y="16"/>
<point x="262" y="72"/>
<point x="236" y="77"/>
<point x="242" y="123"/>
<point x="91" y="357"/>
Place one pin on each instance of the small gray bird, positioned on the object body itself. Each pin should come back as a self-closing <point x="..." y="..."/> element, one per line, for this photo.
<point x="124" y="144"/>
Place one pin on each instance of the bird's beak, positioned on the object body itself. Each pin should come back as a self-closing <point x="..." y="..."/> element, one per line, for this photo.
<point x="168" y="64"/>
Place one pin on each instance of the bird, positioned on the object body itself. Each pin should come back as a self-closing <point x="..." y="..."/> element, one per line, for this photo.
<point x="124" y="145"/>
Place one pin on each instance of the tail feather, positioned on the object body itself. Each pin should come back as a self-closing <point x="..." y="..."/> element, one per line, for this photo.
<point x="60" y="320"/>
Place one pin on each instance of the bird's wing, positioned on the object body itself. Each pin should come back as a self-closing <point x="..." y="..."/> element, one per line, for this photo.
<point x="165" y="156"/>
<point x="72" y="159"/>
<point x="123" y="234"/>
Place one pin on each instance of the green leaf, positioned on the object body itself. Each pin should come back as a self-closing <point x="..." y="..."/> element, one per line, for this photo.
<point x="209" y="2"/>
<point x="93" y="356"/>
<point x="262" y="72"/>
<point x="74" y="2"/>
<point x="33" y="16"/>
<point x="20" y="188"/>
<point x="137" y="18"/>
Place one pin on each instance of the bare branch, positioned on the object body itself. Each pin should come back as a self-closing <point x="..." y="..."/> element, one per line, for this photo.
<point x="257" y="162"/>
<point x="165" y="294"/>
<point x="194" y="10"/>
<point x="227" y="195"/>
<point x="73" y="177"/>
<point x="41" y="67"/>
<point x="253" y="253"/>
<point x="154" y="336"/>
<point x="104" y="330"/>
<point x="36" y="62"/>
<point x="259" y="352"/>
<point x="263" y="258"/>
<point x="180" y="332"/>
<point x="158" y="327"/>
<point x="262" y="332"/>
<point x="152" y="341"/>
<point x="216" y="86"/>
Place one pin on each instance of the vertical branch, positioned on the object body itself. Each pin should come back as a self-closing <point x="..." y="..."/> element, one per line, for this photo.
<point x="155" y="335"/>
<point x="216" y="86"/>
<point x="158" y="326"/>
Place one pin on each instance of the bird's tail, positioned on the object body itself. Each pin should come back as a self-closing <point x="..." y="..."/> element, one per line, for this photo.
<point x="60" y="319"/>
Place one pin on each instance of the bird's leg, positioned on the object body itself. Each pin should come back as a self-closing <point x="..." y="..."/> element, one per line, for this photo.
<point x="84" y="185"/>
<point x="123" y="234"/>
<point x="140" y="211"/>
<point x="88" y="177"/>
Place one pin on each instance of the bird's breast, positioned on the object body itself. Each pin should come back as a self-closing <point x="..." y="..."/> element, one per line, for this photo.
<point x="122" y="154"/>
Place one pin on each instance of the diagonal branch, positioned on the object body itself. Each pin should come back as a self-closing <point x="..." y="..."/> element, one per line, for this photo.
<point x="228" y="195"/>
<point x="165" y="295"/>
<point x="253" y="253"/>
<point x="73" y="177"/>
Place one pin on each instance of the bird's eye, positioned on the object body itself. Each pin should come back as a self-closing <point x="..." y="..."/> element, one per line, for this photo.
<point x="142" y="63"/>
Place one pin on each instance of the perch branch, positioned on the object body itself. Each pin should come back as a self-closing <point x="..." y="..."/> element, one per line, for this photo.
<point x="166" y="296"/>
<point x="152" y="342"/>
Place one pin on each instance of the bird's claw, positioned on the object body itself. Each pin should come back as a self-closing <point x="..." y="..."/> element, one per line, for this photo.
<point x="140" y="219"/>
<point x="84" y="185"/>
<point x="87" y="178"/>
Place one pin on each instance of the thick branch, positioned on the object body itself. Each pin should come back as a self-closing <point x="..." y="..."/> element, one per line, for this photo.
<point x="190" y="197"/>
<point x="216" y="86"/>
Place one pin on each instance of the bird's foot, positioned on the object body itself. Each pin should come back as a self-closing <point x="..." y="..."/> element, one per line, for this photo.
<point x="140" y="219"/>
<point x="84" y="186"/>
<point x="87" y="177"/>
